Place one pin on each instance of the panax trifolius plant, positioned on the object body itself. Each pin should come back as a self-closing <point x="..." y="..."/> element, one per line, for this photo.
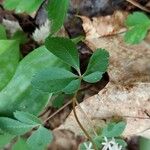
<point x="60" y="80"/>
<point x="54" y="79"/>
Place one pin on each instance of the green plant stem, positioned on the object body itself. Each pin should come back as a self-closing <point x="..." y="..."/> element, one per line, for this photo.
<point x="55" y="113"/>
<point x="79" y="123"/>
<point x="90" y="122"/>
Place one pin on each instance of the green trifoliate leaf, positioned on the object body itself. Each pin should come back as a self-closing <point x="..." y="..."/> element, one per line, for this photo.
<point x="2" y="33"/>
<point x="20" y="145"/>
<point x="57" y="10"/>
<point x="144" y="143"/>
<point x="14" y="127"/>
<point x="97" y="66"/>
<point x="9" y="58"/>
<point x="40" y="139"/>
<point x="52" y="79"/>
<point x="21" y="6"/>
<point x="5" y="139"/>
<point x="72" y="87"/>
<point x="27" y="118"/>
<point x="138" y="25"/>
<point x="64" y="49"/>
<point x="114" y="129"/>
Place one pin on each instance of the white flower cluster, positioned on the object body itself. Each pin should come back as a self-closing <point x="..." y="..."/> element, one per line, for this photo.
<point x="11" y="26"/>
<point x="88" y="146"/>
<point x="111" y="145"/>
<point x="40" y="34"/>
<point x="107" y="145"/>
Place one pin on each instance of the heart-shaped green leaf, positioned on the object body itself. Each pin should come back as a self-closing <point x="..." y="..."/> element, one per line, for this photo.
<point x="97" y="66"/>
<point x="52" y="79"/>
<point x="64" y="49"/>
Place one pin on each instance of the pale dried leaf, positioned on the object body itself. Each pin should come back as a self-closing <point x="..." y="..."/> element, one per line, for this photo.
<point x="104" y="26"/>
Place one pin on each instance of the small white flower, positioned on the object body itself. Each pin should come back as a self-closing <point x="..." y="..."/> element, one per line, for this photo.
<point x="88" y="146"/>
<point x="40" y="34"/>
<point x="11" y="26"/>
<point x="110" y="144"/>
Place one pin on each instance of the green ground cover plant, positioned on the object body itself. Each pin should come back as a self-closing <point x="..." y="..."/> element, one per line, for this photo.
<point x="53" y="69"/>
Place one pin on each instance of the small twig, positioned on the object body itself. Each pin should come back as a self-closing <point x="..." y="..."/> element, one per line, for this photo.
<point x="146" y="112"/>
<point x="89" y="121"/>
<point x="55" y="113"/>
<point x="79" y="123"/>
<point x="138" y="5"/>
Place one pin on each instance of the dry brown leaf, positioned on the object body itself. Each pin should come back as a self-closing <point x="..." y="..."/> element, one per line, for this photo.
<point x="104" y="26"/>
<point x="128" y="93"/>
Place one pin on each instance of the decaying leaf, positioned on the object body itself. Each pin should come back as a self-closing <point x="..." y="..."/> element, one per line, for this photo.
<point x="104" y="25"/>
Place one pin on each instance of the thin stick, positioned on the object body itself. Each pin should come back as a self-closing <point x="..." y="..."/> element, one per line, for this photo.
<point x="79" y="123"/>
<point x="56" y="112"/>
<point x="138" y="5"/>
<point x="89" y="121"/>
